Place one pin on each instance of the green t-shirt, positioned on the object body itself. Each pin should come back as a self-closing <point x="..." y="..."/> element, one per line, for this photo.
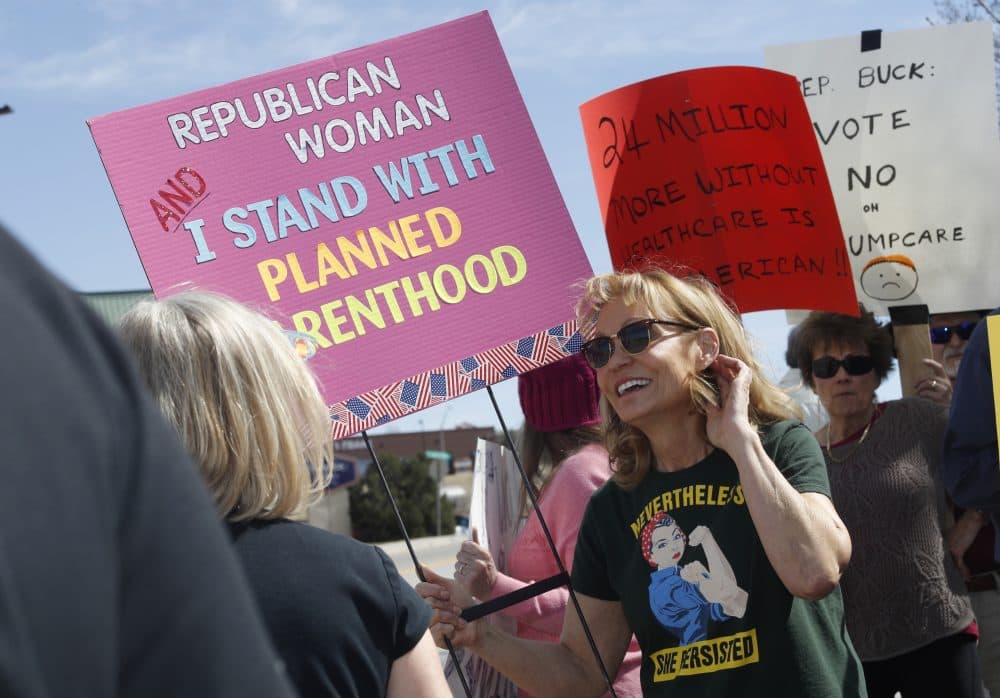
<point x="709" y="612"/>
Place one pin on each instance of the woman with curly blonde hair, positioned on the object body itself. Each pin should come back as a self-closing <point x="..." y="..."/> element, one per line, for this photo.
<point x="251" y="414"/>
<point x="694" y="431"/>
<point x="692" y="302"/>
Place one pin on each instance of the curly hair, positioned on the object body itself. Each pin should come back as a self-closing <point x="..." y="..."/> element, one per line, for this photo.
<point x="821" y="330"/>
<point x="692" y="300"/>
<point x="245" y="404"/>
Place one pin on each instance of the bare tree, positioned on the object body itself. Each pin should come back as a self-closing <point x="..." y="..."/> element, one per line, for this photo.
<point x="954" y="11"/>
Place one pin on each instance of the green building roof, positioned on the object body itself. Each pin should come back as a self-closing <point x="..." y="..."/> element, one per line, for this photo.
<point x="111" y="305"/>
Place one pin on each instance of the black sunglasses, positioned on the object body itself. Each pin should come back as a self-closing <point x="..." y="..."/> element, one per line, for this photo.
<point x="634" y="338"/>
<point x="942" y="335"/>
<point x="854" y="364"/>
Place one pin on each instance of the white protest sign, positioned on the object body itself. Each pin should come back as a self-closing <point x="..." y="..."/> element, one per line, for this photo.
<point x="494" y="513"/>
<point x="907" y="123"/>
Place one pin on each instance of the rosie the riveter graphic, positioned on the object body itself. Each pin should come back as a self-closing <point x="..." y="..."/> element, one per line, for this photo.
<point x="684" y="598"/>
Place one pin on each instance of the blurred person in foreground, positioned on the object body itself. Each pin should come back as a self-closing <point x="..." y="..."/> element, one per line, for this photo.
<point x="250" y="411"/>
<point x="715" y="542"/>
<point x="970" y="462"/>
<point x="116" y="578"/>
<point x="971" y="540"/>
<point x="970" y="466"/>
<point x="563" y="456"/>
<point x="907" y="609"/>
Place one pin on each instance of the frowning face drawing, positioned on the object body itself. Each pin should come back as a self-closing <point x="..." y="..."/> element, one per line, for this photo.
<point x="889" y="278"/>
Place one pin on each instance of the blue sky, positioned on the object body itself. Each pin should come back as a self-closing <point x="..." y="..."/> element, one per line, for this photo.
<point x="64" y="62"/>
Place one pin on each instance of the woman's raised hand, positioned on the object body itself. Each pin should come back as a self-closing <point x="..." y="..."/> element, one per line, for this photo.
<point x="728" y="424"/>
<point x="936" y="387"/>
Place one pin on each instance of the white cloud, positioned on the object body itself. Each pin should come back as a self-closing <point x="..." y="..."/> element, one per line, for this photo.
<point x="557" y="33"/>
<point x="140" y="62"/>
<point x="153" y="47"/>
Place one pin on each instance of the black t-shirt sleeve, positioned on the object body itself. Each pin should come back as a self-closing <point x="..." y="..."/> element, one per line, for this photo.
<point x="412" y="614"/>
<point x="590" y="567"/>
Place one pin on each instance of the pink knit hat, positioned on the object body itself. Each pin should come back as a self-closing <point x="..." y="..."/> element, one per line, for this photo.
<point x="562" y="395"/>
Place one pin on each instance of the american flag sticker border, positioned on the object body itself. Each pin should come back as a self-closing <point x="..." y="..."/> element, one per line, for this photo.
<point x="468" y="374"/>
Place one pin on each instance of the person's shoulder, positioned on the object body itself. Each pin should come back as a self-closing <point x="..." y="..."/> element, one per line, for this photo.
<point x="915" y="408"/>
<point x="608" y="494"/>
<point x="270" y="548"/>
<point x="790" y="444"/>
<point x="905" y="404"/>
<point x="294" y="537"/>
<point x="590" y="452"/>
<point x="775" y="432"/>
<point x="978" y="343"/>
<point x="590" y="465"/>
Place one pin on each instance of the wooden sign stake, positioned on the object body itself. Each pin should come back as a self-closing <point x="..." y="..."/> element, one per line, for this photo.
<point x="911" y="333"/>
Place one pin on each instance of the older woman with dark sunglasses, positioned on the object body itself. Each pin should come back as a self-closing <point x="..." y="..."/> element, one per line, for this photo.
<point x="907" y="612"/>
<point x="715" y="542"/>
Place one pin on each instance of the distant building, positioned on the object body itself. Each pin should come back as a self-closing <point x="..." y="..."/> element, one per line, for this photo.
<point x="111" y="305"/>
<point x="459" y="442"/>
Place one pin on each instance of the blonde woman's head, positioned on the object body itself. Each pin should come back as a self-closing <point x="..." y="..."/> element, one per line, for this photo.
<point x="693" y="302"/>
<point x="246" y="405"/>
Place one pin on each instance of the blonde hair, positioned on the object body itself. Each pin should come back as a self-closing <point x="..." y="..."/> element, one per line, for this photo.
<point x="691" y="300"/>
<point x="246" y="405"/>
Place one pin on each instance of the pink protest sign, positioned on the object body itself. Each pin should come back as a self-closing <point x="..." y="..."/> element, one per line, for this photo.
<point x="389" y="206"/>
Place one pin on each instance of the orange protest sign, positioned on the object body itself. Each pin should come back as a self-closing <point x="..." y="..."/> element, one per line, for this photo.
<point x="718" y="170"/>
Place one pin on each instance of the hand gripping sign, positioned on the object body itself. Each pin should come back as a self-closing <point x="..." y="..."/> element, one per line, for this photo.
<point x="389" y="206"/>
<point x="718" y="170"/>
